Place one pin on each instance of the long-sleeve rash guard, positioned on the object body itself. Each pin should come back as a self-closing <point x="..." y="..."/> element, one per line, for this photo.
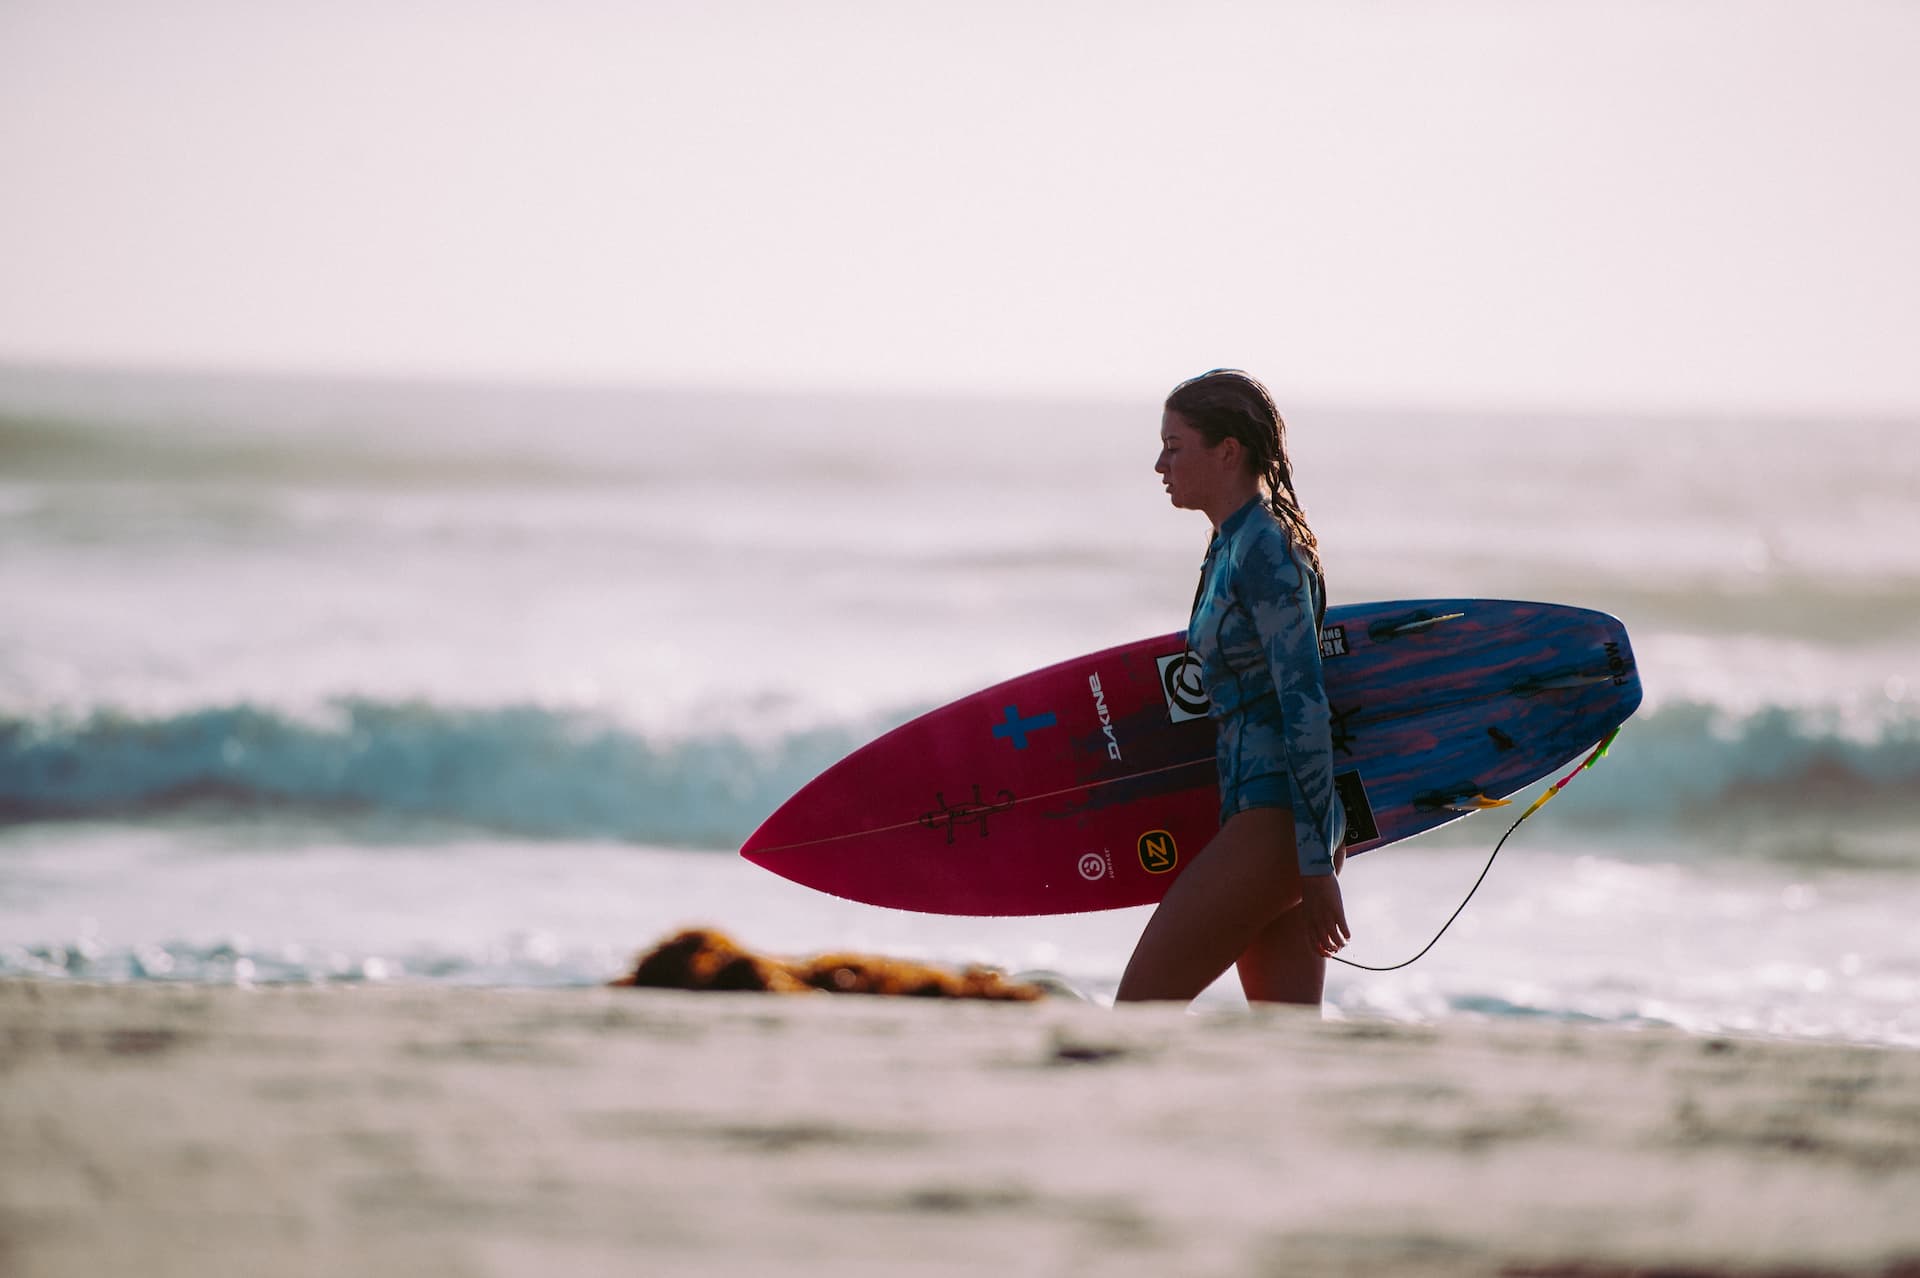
<point x="1254" y="630"/>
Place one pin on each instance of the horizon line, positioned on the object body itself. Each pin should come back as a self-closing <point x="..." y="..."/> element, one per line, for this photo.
<point x="525" y="380"/>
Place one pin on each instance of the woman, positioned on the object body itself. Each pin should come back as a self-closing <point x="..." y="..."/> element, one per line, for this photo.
<point x="1263" y="893"/>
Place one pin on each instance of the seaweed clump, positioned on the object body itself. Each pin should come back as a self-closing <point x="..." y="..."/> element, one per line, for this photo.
<point x="704" y="959"/>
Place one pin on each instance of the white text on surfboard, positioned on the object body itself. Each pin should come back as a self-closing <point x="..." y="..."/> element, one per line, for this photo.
<point x="1106" y="720"/>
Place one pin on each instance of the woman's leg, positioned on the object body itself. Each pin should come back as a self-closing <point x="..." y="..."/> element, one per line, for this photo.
<point x="1222" y="904"/>
<point x="1282" y="966"/>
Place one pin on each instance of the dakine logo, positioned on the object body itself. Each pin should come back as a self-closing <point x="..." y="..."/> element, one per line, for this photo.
<point x="1106" y="720"/>
<point x="1186" y="692"/>
<point x="1333" y="642"/>
<point x="1093" y="867"/>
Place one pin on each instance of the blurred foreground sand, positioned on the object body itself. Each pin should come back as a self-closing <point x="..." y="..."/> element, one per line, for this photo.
<point x="209" y="1131"/>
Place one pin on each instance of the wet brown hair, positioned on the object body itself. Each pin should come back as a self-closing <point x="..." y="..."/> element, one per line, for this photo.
<point x="1227" y="403"/>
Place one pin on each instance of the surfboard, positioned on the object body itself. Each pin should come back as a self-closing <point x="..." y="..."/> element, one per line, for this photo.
<point x="1090" y="785"/>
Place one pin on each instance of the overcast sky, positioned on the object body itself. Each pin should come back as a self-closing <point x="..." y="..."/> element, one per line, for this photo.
<point x="1620" y="205"/>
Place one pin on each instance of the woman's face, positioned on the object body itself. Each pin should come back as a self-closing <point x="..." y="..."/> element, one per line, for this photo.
<point x="1190" y="469"/>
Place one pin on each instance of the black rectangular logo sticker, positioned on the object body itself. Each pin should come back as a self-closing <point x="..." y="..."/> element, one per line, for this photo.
<point x="1353" y="797"/>
<point x="1333" y="642"/>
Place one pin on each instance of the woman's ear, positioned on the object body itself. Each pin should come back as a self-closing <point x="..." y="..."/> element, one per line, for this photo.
<point x="1233" y="453"/>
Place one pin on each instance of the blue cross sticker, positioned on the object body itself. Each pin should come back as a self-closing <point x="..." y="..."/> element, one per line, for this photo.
<point x="1017" y="728"/>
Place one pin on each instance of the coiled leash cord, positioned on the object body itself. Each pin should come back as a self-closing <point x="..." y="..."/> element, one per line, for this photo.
<point x="1599" y="753"/>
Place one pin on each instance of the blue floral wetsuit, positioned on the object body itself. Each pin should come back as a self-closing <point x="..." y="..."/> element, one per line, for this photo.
<point x="1254" y="630"/>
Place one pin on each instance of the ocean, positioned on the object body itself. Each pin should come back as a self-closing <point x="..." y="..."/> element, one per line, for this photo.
<point x="317" y="681"/>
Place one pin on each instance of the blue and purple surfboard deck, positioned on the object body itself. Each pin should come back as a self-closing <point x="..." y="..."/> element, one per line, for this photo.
<point x="1090" y="784"/>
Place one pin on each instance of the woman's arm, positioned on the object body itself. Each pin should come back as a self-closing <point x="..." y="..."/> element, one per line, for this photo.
<point x="1278" y="593"/>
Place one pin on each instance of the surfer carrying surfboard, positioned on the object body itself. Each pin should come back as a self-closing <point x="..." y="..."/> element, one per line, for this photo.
<point x="1263" y="895"/>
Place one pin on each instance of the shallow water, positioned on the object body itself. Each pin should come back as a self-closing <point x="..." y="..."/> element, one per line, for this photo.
<point x="315" y="681"/>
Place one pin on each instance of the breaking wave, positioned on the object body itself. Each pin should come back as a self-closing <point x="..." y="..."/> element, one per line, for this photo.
<point x="545" y="773"/>
<point x="524" y="770"/>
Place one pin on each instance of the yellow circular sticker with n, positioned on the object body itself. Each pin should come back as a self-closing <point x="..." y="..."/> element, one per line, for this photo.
<point x="1158" y="853"/>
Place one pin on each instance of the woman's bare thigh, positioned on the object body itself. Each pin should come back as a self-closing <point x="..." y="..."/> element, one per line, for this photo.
<point x="1220" y="905"/>
<point x="1281" y="965"/>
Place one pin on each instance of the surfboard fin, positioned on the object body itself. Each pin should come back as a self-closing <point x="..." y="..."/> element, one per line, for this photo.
<point x="1534" y="684"/>
<point x="1393" y="628"/>
<point x="1463" y="799"/>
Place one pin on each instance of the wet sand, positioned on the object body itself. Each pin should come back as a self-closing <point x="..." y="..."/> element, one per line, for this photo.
<point x="208" y="1131"/>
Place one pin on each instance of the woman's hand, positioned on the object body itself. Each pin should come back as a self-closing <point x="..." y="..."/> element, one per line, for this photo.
<point x="1326" y="916"/>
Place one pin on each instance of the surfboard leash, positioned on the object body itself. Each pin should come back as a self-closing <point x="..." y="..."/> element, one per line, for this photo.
<point x="1599" y="753"/>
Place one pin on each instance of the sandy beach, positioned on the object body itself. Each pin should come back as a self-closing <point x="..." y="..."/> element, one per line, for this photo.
<point x="466" y="469"/>
<point x="200" y="1131"/>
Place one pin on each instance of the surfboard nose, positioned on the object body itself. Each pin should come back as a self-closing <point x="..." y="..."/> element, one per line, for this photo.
<point x="776" y="832"/>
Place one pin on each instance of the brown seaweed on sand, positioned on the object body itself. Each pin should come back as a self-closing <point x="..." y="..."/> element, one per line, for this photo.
<point x="704" y="959"/>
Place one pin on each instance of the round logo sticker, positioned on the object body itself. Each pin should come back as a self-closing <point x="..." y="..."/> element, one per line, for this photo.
<point x="1185" y="688"/>
<point x="1093" y="867"/>
<point x="1158" y="852"/>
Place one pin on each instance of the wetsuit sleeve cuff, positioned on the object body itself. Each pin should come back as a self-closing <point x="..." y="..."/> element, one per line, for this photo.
<point x="1315" y="858"/>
